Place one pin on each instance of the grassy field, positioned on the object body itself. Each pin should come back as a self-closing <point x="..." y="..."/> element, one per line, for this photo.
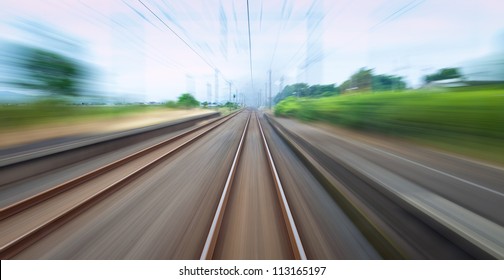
<point x="22" y="116"/>
<point x="467" y="121"/>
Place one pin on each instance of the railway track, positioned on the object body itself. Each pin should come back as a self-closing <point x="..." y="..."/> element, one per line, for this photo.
<point x="25" y="222"/>
<point x="212" y="202"/>
<point x="34" y="160"/>
<point x="253" y="219"/>
<point x="396" y="222"/>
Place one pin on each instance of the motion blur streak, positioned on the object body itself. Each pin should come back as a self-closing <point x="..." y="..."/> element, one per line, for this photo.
<point x="384" y="118"/>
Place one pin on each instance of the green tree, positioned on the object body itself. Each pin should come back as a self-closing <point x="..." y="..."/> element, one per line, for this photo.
<point x="51" y="73"/>
<point x="361" y="81"/>
<point x="186" y="100"/>
<point x="300" y="89"/>
<point x="346" y="85"/>
<point x="387" y="82"/>
<point x="365" y="80"/>
<point x="303" y="90"/>
<point x="323" y="90"/>
<point x="443" y="74"/>
<point x="231" y="105"/>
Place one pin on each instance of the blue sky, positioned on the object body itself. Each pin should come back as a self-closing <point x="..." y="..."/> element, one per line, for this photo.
<point x="137" y="56"/>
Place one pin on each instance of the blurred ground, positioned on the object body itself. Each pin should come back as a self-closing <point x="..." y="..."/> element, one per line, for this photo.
<point x="410" y="147"/>
<point x="46" y="131"/>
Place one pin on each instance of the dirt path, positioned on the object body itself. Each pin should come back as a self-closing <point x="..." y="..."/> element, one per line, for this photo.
<point x="95" y="126"/>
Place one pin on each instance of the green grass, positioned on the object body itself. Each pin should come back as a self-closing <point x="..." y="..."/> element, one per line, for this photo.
<point x="225" y="110"/>
<point x="467" y="121"/>
<point x="44" y="112"/>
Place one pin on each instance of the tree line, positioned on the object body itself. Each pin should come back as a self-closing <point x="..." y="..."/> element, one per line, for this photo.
<point x="364" y="80"/>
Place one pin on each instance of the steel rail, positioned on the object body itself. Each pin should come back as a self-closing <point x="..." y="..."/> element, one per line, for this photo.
<point x="212" y="237"/>
<point x="211" y="240"/>
<point x="28" y="202"/>
<point x="20" y="243"/>
<point x="297" y="246"/>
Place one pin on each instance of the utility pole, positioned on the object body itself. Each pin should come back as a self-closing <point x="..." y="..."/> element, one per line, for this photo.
<point x="265" y="94"/>
<point x="209" y="93"/>
<point x="269" y="97"/>
<point x="259" y="102"/>
<point x="216" y="85"/>
<point x="280" y="87"/>
<point x="229" y="83"/>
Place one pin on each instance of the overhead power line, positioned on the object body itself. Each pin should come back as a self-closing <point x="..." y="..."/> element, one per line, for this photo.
<point x="250" y="45"/>
<point x="404" y="9"/>
<point x="182" y="39"/>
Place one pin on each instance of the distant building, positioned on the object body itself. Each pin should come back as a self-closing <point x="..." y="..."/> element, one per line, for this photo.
<point x="481" y="71"/>
<point x="456" y="82"/>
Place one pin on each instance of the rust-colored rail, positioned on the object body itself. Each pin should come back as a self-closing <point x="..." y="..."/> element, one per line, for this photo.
<point x="211" y="240"/>
<point x="295" y="240"/>
<point x="13" y="247"/>
<point x="212" y="237"/>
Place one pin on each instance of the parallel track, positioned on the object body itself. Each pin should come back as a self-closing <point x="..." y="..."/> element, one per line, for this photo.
<point x="396" y="227"/>
<point x="9" y="215"/>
